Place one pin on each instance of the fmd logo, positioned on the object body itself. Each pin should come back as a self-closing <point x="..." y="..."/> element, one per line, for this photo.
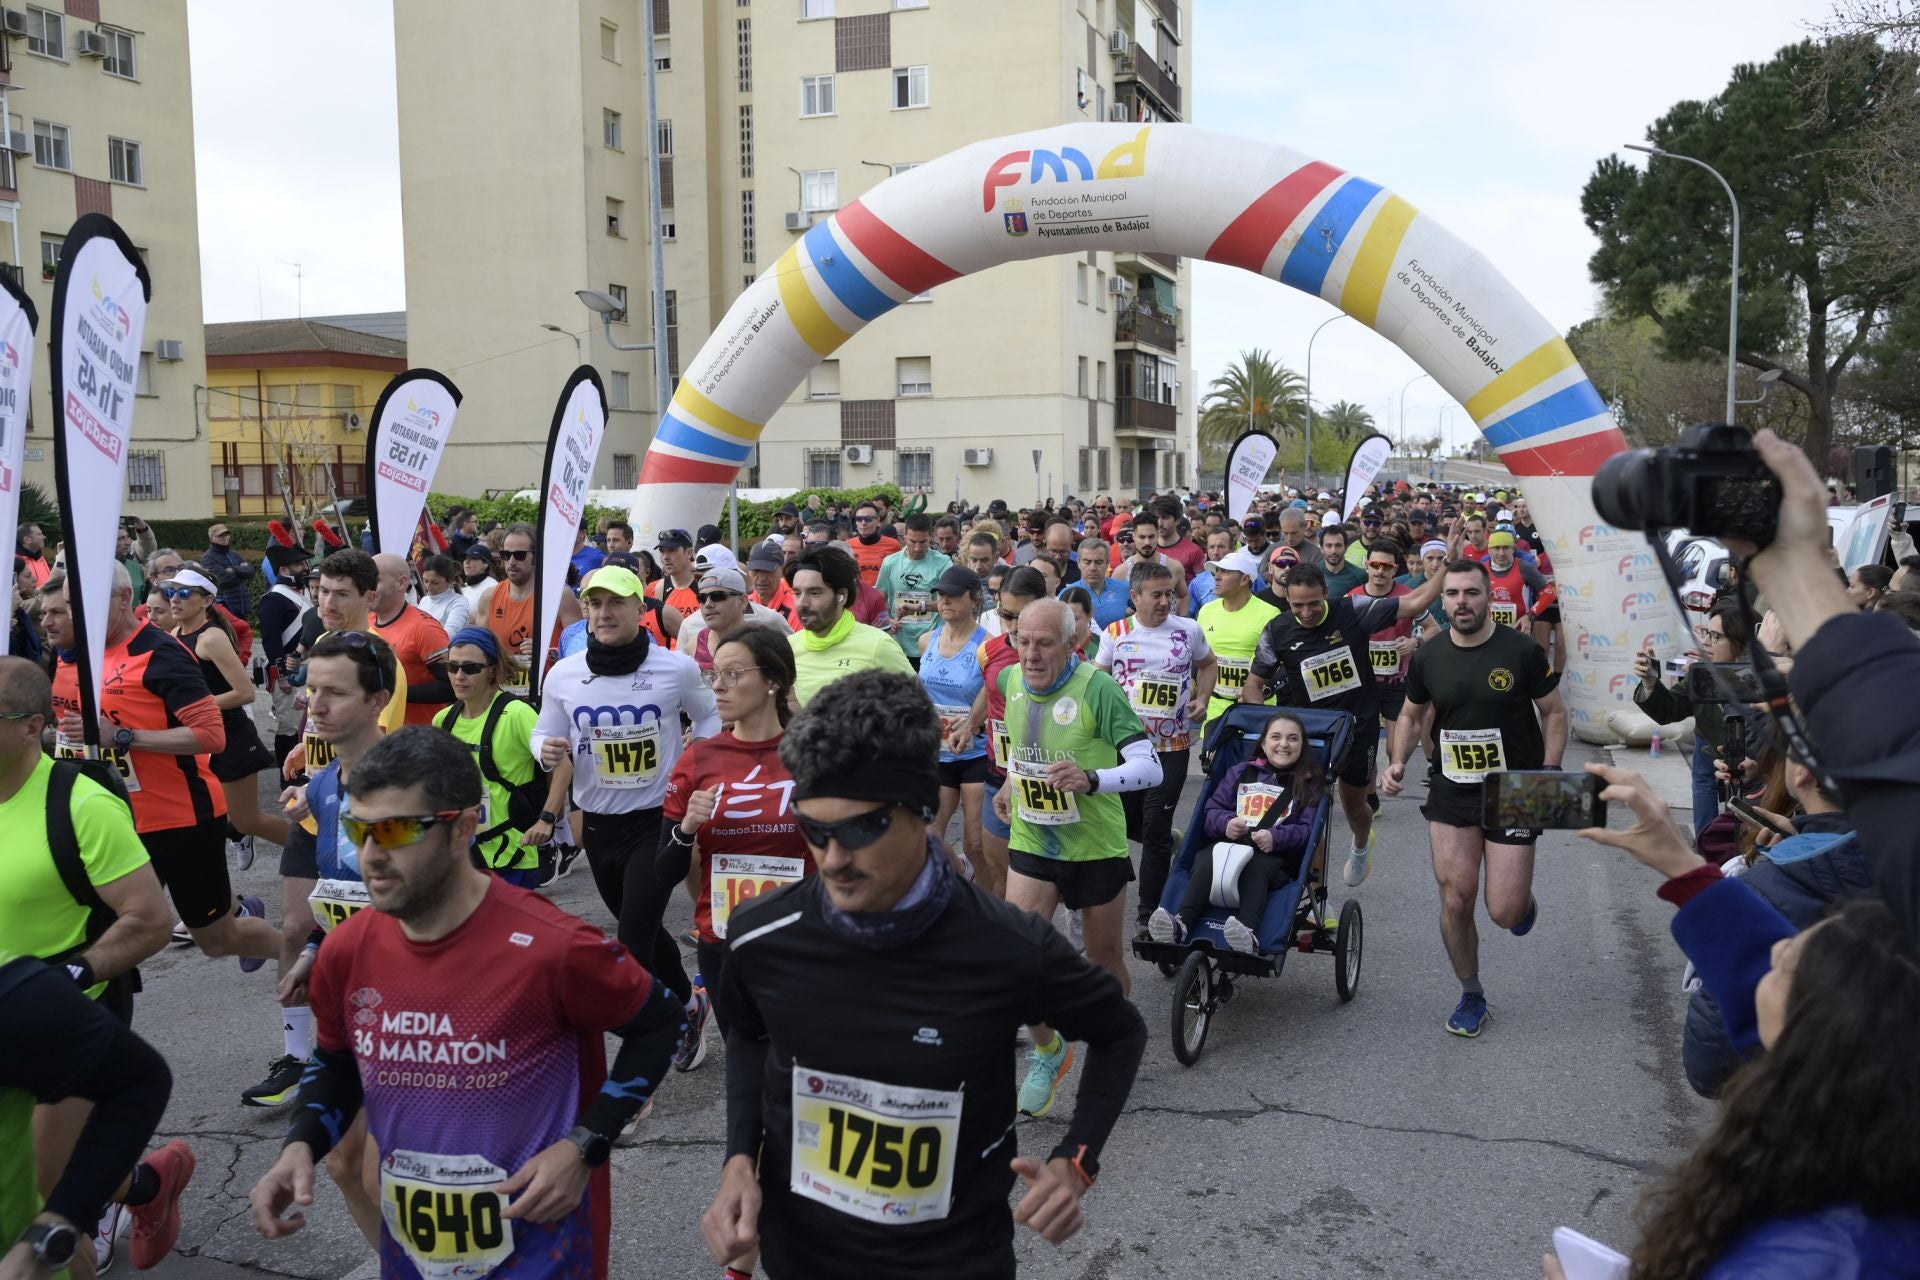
<point x="116" y="314"/>
<point x="1635" y="600"/>
<point x="432" y="418"/>
<point x="1128" y="160"/>
<point x="1642" y="560"/>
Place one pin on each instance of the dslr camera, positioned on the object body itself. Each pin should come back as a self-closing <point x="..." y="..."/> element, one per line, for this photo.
<point x="1712" y="483"/>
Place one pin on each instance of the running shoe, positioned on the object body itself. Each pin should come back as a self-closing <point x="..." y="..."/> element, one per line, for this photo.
<point x="1468" y="1016"/>
<point x="1043" y="1077"/>
<point x="1525" y="926"/>
<point x="693" y="1045"/>
<point x="156" y="1224"/>
<point x="240" y="853"/>
<point x="1164" y="926"/>
<point x="690" y="938"/>
<point x="250" y="906"/>
<point x="1076" y="933"/>
<point x="1360" y="862"/>
<point x="630" y="1131"/>
<point x="283" y="1077"/>
<point x="1239" y="936"/>
<point x="567" y="855"/>
<point x="106" y="1236"/>
<point x="182" y="936"/>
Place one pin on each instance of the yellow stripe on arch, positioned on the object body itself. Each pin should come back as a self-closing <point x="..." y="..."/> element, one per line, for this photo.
<point x="709" y="414"/>
<point x="810" y="319"/>
<point x="1522" y="376"/>
<point x="1367" y="278"/>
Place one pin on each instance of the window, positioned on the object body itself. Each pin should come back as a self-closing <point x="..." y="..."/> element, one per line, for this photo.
<point x="1169" y="380"/>
<point x="743" y="39"/>
<point x="46" y="33"/>
<point x="308" y="398"/>
<point x="666" y="229"/>
<point x="8" y="178"/>
<point x="1100" y="380"/>
<point x="823" y="381"/>
<point x="626" y="470"/>
<point x="344" y="398"/>
<point x="746" y="142"/>
<point x="50" y="147"/>
<point x="914" y="468"/>
<point x="909" y="87"/>
<point x="820" y="190"/>
<point x="1080" y="95"/>
<point x="748" y="252"/>
<point x="823" y="468"/>
<point x="663" y="63"/>
<point x="609" y="42"/>
<point x="1099" y="101"/>
<point x="619" y="292"/>
<point x="1100" y="290"/>
<point x="1086" y="470"/>
<point x="123" y="162"/>
<point x="816" y="96"/>
<point x="1106" y="467"/>
<point x="671" y="305"/>
<point x="1081" y="384"/>
<point x="909" y="4"/>
<point x="913" y="375"/>
<point x="610" y="128"/>
<point x="146" y="475"/>
<point x="50" y="256"/>
<point x="119" y="60"/>
<point x="1126" y="468"/>
<point x="816" y="9"/>
<point x="616" y="210"/>
<point x="1080" y="280"/>
<point x="1179" y="467"/>
<point x="620" y="394"/>
<point x="143" y="376"/>
<point x="663" y="138"/>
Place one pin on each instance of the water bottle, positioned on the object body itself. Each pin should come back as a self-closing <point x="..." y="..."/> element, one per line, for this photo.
<point x="1653" y="748"/>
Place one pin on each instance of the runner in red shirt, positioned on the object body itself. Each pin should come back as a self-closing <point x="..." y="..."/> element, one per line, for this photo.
<point x="417" y="641"/>
<point x="491" y="1102"/>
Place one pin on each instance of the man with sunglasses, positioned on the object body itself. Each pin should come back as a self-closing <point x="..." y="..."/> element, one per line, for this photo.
<point x="492" y="1118"/>
<point x="871" y="547"/>
<point x="918" y="1062"/>
<point x="832" y="642"/>
<point x="724" y="606"/>
<point x="678" y="588"/>
<point x="507" y="610"/>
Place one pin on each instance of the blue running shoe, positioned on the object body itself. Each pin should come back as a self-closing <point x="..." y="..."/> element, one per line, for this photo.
<point x="1043" y="1077"/>
<point x="1525" y="926"/>
<point x="1468" y="1016"/>
<point x="250" y="906"/>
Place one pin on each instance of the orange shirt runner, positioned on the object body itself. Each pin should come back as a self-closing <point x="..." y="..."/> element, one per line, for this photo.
<point x="414" y="637"/>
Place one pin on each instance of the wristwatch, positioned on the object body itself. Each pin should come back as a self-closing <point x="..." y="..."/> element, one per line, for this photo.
<point x="1084" y="1160"/>
<point x="1093" y="780"/>
<point x="594" y="1149"/>
<point x="123" y="737"/>
<point x="549" y="817"/>
<point x="53" y="1244"/>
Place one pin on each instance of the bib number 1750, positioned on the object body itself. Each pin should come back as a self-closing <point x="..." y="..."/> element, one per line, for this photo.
<point x="880" y="1154"/>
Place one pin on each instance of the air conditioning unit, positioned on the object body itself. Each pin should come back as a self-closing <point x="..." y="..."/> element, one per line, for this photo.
<point x="15" y="21"/>
<point x="90" y="44"/>
<point x="352" y="421"/>
<point x="1118" y="113"/>
<point x="1162" y="445"/>
<point x="977" y="457"/>
<point x="1118" y="44"/>
<point x="796" y="221"/>
<point x="1119" y="286"/>
<point x="169" y="350"/>
<point x="860" y="455"/>
<point x="19" y="143"/>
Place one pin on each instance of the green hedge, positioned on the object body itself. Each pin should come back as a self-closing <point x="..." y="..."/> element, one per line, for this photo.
<point x="756" y="518"/>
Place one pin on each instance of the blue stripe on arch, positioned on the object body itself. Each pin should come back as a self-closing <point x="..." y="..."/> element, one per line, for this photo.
<point x="1306" y="267"/>
<point x="677" y="431"/>
<point x="835" y="265"/>
<point x="1563" y="408"/>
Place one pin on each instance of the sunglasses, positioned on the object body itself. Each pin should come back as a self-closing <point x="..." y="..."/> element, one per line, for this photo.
<point x="718" y="597"/>
<point x="396" y="832"/>
<point x="516" y="555"/>
<point x="360" y="642"/>
<point x="468" y="668"/>
<point x="177" y="593"/>
<point x="1381" y="564"/>
<point x="857" y="832"/>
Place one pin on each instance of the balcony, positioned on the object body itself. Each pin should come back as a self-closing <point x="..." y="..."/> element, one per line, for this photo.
<point x="1166" y="264"/>
<point x="1131" y="324"/>
<point x="1134" y="414"/>
<point x="1158" y="84"/>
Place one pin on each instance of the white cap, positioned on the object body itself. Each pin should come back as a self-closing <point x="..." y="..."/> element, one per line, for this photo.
<point x="1241" y="561"/>
<point x="199" y="581"/>
<point x="715" y="557"/>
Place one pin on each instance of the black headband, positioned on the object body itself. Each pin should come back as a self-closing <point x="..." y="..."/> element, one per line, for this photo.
<point x="892" y="779"/>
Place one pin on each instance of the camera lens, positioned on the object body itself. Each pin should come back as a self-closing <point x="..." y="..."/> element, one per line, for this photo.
<point x="1623" y="489"/>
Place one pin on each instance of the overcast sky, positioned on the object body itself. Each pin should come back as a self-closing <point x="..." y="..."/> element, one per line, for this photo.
<point x="1490" y="118"/>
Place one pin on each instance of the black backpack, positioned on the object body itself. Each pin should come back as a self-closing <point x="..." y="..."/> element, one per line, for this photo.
<point x="524" y="800"/>
<point x="64" y="843"/>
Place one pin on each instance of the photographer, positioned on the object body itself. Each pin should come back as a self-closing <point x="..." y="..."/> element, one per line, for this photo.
<point x="1723" y="638"/>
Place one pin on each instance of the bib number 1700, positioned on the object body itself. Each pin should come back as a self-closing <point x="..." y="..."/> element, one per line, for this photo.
<point x="882" y="1155"/>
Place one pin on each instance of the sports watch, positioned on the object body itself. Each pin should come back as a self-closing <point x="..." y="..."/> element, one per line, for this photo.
<point x="53" y="1244"/>
<point x="549" y="817"/>
<point x="1085" y="1161"/>
<point x="123" y="737"/>
<point x="594" y="1149"/>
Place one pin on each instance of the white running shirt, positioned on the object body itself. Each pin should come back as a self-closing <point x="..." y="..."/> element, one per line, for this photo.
<point x="1155" y="667"/>
<point x="624" y="730"/>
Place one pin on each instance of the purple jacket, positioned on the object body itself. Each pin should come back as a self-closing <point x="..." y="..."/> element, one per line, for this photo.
<point x="1290" y="833"/>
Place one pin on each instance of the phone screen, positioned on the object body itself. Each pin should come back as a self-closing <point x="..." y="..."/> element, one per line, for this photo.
<point x="1747" y="814"/>
<point x="1542" y="800"/>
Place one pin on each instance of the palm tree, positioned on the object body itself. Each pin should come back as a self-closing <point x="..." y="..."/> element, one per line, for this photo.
<point x="1347" y="420"/>
<point x="1258" y="392"/>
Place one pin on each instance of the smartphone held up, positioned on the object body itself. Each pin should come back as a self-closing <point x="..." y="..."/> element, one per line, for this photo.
<point x="1542" y="800"/>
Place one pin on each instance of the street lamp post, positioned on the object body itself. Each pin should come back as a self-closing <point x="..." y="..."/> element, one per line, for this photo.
<point x="1403" y="408"/>
<point x="1310" y="338"/>
<point x="579" y="352"/>
<point x="1733" y="291"/>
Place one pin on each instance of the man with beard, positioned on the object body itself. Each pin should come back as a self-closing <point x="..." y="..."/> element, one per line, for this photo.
<point x="507" y="610"/>
<point x="1495" y="707"/>
<point x="831" y="643"/>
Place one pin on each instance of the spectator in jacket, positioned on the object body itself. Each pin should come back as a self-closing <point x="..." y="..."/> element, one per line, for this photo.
<point x="25" y="639"/>
<point x="229" y="570"/>
<point x="1723" y="638"/>
<point x="134" y="546"/>
<point x="30" y="544"/>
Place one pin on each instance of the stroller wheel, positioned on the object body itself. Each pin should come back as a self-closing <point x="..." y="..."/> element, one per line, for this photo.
<point x="1348" y="945"/>
<point x="1193" y="1005"/>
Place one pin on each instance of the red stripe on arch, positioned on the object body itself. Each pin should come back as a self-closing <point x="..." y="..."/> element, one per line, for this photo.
<point x="898" y="258"/>
<point x="665" y="468"/>
<point x="1249" y="238"/>
<point x="1581" y="456"/>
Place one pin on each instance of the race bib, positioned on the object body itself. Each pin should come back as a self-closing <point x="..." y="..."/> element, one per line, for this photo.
<point x="1505" y="612"/>
<point x="915" y="603"/>
<point x="875" y="1151"/>
<point x="319" y="754"/>
<point x="1468" y="755"/>
<point x="1037" y="801"/>
<point x="444" y="1213"/>
<point x="519" y="681"/>
<point x="1157" y="693"/>
<point x="1232" y="678"/>
<point x="1386" y="657"/>
<point x="334" y="900"/>
<point x="738" y="878"/>
<point x="626" y="756"/>
<point x="1000" y="743"/>
<point x="1331" y="674"/>
<point x="952" y="718"/>
<point x="121" y="760"/>
<point x="1253" y="799"/>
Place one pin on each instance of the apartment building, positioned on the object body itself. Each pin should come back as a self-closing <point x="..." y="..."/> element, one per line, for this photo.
<point x="773" y="114"/>
<point x="98" y="106"/>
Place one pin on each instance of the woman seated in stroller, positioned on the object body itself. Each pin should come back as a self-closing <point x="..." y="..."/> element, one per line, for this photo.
<point x="1264" y="809"/>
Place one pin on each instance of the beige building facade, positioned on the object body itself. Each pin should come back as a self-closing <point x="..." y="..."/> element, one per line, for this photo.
<point x="775" y="113"/>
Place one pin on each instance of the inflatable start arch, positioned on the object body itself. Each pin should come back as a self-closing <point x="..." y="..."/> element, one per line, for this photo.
<point x="1181" y="190"/>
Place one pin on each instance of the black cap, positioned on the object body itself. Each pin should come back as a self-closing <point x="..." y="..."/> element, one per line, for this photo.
<point x="708" y="535"/>
<point x="479" y="550"/>
<point x="624" y="560"/>
<point x="766" y="556"/>
<point x="958" y="581"/>
<point x="787" y="509"/>
<point x="1252" y="523"/>
<point x="282" y="557"/>
<point x="672" y="538"/>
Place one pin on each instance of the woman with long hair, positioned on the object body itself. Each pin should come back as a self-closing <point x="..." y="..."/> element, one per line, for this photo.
<point x="1268" y="802"/>
<point x="201" y="627"/>
<point x="950" y="670"/>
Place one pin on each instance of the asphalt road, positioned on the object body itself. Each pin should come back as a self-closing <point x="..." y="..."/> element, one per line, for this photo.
<point x="1312" y="1138"/>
